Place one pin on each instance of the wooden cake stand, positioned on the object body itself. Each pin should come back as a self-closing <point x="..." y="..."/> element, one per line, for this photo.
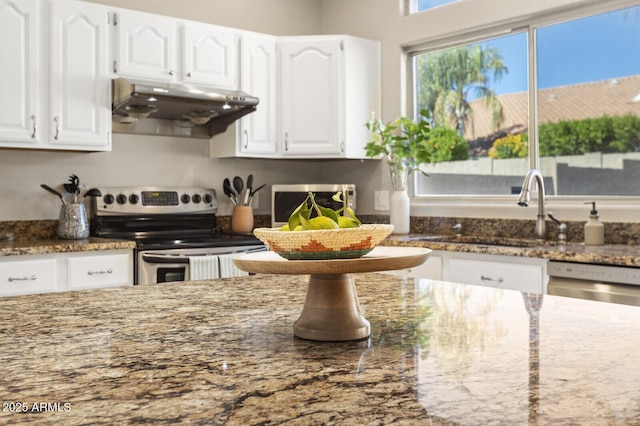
<point x="331" y="309"/>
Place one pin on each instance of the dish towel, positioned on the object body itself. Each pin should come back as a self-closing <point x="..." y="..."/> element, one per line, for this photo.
<point x="203" y="267"/>
<point x="228" y="268"/>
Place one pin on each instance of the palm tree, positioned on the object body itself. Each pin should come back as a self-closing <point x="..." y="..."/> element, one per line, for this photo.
<point x="447" y="78"/>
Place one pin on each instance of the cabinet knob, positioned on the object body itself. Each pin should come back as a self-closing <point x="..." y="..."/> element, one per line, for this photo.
<point x="189" y="74"/>
<point x="246" y="139"/>
<point x="286" y="141"/>
<point x="171" y="72"/>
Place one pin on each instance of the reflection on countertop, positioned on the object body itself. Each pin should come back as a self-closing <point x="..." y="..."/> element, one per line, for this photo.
<point x="223" y="351"/>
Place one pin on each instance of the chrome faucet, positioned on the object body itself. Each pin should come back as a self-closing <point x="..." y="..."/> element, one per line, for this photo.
<point x="524" y="197"/>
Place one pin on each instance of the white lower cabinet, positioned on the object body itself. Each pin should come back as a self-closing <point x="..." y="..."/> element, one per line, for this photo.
<point x="107" y="270"/>
<point x="527" y="275"/>
<point x="431" y="269"/>
<point x="56" y="272"/>
<point x="514" y="273"/>
<point x="27" y="276"/>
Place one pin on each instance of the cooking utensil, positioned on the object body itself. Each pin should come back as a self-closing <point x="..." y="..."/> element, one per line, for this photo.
<point x="247" y="192"/>
<point x="53" y="191"/>
<point x="238" y="184"/>
<point x="73" y="187"/>
<point x="93" y="192"/>
<point x="250" y="182"/>
<point x="226" y="187"/>
<point x="253" y="191"/>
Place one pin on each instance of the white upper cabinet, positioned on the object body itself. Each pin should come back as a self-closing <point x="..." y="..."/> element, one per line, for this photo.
<point x="55" y="94"/>
<point x="167" y="49"/>
<point x="21" y="108"/>
<point x="210" y="55"/>
<point x="146" y="46"/>
<point x="80" y="77"/>
<point x="329" y="86"/>
<point x="312" y="95"/>
<point x="257" y="131"/>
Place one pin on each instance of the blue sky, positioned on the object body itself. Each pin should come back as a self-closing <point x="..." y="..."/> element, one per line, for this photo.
<point x="588" y="49"/>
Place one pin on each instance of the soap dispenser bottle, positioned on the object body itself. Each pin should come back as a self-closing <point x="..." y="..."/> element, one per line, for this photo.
<point x="593" y="229"/>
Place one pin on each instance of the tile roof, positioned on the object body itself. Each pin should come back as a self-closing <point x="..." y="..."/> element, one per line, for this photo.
<point x="611" y="97"/>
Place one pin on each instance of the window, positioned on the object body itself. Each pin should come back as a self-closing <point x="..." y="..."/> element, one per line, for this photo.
<point x="587" y="140"/>
<point x="430" y="4"/>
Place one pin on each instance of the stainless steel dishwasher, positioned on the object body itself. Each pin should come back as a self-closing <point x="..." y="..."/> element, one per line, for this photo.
<point x="604" y="283"/>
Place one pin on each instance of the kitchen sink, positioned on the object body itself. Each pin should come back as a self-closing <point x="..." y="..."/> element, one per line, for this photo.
<point x="479" y="240"/>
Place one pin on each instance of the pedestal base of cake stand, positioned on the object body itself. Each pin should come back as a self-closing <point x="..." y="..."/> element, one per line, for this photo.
<point x="331" y="310"/>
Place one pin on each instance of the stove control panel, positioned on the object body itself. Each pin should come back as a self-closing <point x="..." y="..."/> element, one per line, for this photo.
<point x="155" y="200"/>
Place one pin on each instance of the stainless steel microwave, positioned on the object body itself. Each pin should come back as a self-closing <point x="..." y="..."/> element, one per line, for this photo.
<point x="285" y="198"/>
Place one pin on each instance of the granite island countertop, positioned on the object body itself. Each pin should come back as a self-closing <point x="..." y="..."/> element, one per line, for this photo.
<point x="223" y="352"/>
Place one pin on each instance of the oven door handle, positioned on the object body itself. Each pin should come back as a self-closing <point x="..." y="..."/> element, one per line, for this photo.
<point x="181" y="259"/>
<point x="159" y="258"/>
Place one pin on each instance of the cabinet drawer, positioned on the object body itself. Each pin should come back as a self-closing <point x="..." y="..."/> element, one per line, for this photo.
<point x="525" y="278"/>
<point x="28" y="277"/>
<point x="110" y="270"/>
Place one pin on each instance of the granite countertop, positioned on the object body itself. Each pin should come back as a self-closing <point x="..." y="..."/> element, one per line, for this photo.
<point x="21" y="247"/>
<point x="608" y="254"/>
<point x="223" y="351"/>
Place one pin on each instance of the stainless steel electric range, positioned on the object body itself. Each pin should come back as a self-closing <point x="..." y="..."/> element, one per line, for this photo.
<point x="169" y="225"/>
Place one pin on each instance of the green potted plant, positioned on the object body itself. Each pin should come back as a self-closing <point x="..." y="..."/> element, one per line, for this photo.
<point x="404" y="143"/>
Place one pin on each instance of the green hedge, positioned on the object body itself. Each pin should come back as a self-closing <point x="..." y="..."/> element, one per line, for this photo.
<point x="577" y="137"/>
<point x="446" y="144"/>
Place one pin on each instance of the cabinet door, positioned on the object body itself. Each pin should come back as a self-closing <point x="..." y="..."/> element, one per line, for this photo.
<point x="312" y="89"/>
<point x="146" y="46"/>
<point x="431" y="269"/>
<point x="210" y="56"/>
<point x="100" y="271"/>
<point x="258" y="130"/>
<point x="80" y="85"/>
<point x="28" y="277"/>
<point x="513" y="276"/>
<point x="20" y="106"/>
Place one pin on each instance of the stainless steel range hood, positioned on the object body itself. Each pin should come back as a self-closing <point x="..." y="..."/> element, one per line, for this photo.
<point x="170" y="109"/>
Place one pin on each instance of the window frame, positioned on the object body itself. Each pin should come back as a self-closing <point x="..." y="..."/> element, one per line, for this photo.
<point x="625" y="208"/>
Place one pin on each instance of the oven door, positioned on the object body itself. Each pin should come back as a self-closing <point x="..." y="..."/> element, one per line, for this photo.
<point x="160" y="266"/>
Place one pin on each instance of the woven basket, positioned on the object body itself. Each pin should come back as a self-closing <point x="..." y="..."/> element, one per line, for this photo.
<point x="343" y="243"/>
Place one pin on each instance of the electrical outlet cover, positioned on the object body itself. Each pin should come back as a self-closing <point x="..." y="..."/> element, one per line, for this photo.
<point x="381" y="201"/>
